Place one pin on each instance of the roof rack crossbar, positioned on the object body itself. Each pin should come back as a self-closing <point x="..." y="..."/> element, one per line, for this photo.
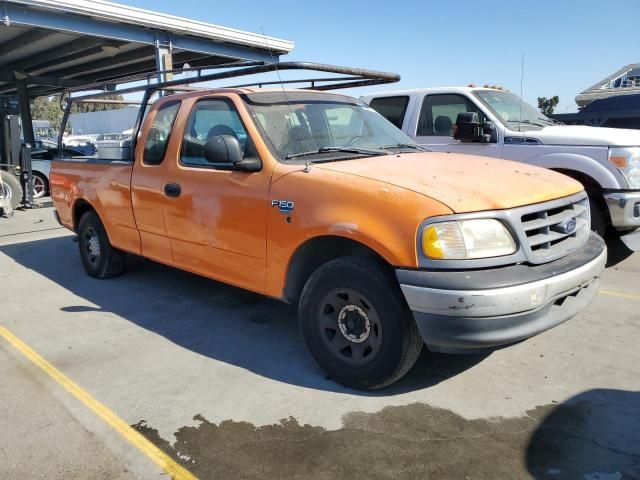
<point x="353" y="77"/>
<point x="302" y="80"/>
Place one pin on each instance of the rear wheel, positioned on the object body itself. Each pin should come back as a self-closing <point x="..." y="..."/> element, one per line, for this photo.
<point x="10" y="188"/>
<point x="99" y="258"/>
<point x="357" y="325"/>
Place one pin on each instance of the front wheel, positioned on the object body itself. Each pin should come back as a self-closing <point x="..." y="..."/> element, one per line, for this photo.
<point x="357" y="325"/>
<point x="99" y="258"/>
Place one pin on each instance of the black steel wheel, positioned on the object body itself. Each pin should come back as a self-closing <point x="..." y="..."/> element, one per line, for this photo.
<point x="350" y="326"/>
<point x="99" y="258"/>
<point x="356" y="324"/>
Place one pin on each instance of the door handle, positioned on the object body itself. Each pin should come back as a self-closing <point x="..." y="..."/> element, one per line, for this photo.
<point x="172" y="190"/>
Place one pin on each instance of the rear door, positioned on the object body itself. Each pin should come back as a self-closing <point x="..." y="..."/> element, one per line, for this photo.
<point x="147" y="193"/>
<point x="437" y="116"/>
<point x="393" y="109"/>
<point x="215" y="216"/>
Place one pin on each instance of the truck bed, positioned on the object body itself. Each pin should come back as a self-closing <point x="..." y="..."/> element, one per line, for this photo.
<point x="106" y="184"/>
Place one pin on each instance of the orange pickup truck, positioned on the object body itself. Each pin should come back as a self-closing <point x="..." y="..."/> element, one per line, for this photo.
<point x="314" y="198"/>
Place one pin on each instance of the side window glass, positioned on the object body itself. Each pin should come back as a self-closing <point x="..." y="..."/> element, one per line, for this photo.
<point x="155" y="145"/>
<point x="210" y="118"/>
<point x="440" y="112"/>
<point x="391" y="108"/>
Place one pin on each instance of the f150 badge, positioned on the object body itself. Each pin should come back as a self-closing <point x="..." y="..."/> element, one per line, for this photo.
<point x="284" y="206"/>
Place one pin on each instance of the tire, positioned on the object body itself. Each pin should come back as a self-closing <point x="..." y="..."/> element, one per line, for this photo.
<point x="598" y="223"/>
<point x="40" y="185"/>
<point x="99" y="258"/>
<point x="357" y="325"/>
<point x="11" y="188"/>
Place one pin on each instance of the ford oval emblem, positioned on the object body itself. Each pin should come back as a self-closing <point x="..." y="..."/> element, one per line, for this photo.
<point x="567" y="227"/>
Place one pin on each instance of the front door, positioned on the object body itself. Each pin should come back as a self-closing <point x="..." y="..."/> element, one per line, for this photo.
<point x="216" y="216"/>
<point x="436" y="119"/>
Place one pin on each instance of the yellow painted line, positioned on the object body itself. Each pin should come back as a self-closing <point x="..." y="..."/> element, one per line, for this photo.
<point x="620" y="294"/>
<point x="163" y="460"/>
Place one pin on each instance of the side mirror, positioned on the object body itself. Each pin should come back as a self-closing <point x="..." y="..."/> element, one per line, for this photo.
<point x="469" y="129"/>
<point x="223" y="149"/>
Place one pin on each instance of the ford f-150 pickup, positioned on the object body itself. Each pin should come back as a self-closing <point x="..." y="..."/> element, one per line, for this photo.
<point x="315" y="199"/>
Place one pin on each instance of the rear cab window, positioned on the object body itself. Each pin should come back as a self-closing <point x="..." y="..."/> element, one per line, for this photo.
<point x="155" y="144"/>
<point x="439" y="113"/>
<point x="391" y="108"/>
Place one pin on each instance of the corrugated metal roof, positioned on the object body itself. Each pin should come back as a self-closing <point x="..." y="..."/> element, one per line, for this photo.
<point x="69" y="44"/>
<point x="114" y="12"/>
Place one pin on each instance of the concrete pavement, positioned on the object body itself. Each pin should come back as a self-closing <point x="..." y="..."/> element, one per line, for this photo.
<point x="219" y="378"/>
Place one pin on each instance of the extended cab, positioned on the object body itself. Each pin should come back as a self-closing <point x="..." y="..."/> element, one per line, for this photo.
<point x="606" y="161"/>
<point x="314" y="198"/>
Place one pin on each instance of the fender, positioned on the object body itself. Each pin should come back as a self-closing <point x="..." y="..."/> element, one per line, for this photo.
<point x="588" y="166"/>
<point x="382" y="217"/>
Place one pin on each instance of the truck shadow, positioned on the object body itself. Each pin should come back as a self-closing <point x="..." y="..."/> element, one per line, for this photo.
<point x="212" y="319"/>
<point x="594" y="435"/>
<point x="617" y="251"/>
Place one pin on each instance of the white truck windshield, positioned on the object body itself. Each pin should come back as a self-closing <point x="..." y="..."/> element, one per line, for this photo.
<point x="512" y="111"/>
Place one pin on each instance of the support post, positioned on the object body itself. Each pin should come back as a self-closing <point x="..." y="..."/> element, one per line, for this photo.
<point x="164" y="61"/>
<point x="63" y="127"/>
<point x="29" y="139"/>
<point x="25" y="109"/>
<point x="26" y="179"/>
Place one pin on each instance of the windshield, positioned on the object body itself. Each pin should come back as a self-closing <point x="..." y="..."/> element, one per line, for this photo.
<point x="511" y="110"/>
<point x="323" y="127"/>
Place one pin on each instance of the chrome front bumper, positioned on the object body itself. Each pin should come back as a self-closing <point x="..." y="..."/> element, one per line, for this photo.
<point x="506" y="305"/>
<point x="624" y="209"/>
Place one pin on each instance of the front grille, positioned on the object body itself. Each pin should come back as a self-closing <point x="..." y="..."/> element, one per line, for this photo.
<point x="536" y="229"/>
<point x="555" y="229"/>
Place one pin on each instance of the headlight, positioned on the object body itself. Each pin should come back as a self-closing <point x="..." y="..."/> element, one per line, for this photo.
<point x="464" y="239"/>
<point x="627" y="159"/>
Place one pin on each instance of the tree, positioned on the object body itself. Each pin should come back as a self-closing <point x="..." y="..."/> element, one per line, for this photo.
<point x="48" y="108"/>
<point x="99" y="107"/>
<point x="548" y="105"/>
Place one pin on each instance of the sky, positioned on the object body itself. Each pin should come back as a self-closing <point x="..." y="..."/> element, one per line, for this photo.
<point x="567" y="45"/>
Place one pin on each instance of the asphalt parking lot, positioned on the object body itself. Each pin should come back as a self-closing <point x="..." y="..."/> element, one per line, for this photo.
<point x="219" y="381"/>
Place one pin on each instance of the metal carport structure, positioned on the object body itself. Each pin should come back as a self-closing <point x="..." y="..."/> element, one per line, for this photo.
<point x="48" y="47"/>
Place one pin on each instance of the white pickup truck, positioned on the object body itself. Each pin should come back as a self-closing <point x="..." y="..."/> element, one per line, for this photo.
<point x="497" y="123"/>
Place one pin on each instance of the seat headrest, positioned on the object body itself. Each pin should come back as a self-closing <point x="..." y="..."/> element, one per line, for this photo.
<point x="443" y="125"/>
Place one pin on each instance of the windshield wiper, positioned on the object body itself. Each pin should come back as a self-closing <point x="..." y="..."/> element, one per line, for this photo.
<point x="406" y="145"/>
<point x="550" y="121"/>
<point x="358" y="151"/>
<point x="528" y="122"/>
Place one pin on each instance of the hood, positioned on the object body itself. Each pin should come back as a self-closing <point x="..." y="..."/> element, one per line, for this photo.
<point x="584" y="135"/>
<point x="464" y="183"/>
